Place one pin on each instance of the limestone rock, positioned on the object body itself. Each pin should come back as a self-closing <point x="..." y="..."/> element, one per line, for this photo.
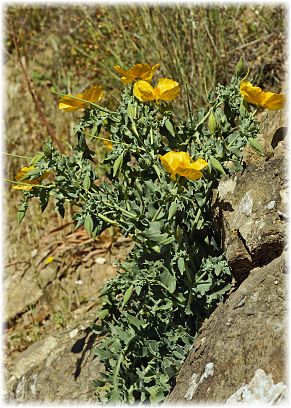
<point x="260" y="389"/>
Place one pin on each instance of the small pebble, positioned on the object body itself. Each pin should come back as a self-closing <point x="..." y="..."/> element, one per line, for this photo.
<point x="79" y="282"/>
<point x="100" y="261"/>
<point x="33" y="253"/>
<point x="73" y="333"/>
<point x="271" y="205"/>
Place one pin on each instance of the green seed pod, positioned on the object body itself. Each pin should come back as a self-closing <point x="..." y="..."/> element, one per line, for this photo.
<point x="117" y="164"/>
<point x="216" y="165"/>
<point x="47" y="149"/>
<point x="256" y="146"/>
<point x="88" y="224"/>
<point x="170" y="127"/>
<point x="131" y="111"/>
<point x="36" y="158"/>
<point x="87" y="182"/>
<point x="240" y="67"/>
<point x="212" y="123"/>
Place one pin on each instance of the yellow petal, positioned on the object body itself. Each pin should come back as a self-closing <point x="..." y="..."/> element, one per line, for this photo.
<point x="68" y="104"/>
<point x="199" y="164"/>
<point x="143" y="91"/>
<point x="93" y="94"/>
<point x="23" y="172"/>
<point x="180" y="163"/>
<point x="22" y="187"/>
<point x="107" y="143"/>
<point x="28" y="183"/>
<point x="148" y="75"/>
<point x="169" y="163"/>
<point x="139" y="71"/>
<point x="167" y="89"/>
<point x="273" y="101"/>
<point x="49" y="260"/>
<point x="255" y="95"/>
<point x="172" y="161"/>
<point x="252" y="94"/>
<point x="190" y="173"/>
<point x="118" y="69"/>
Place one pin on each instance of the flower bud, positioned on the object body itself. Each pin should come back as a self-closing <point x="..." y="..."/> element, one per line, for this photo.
<point x="47" y="149"/>
<point x="216" y="165"/>
<point x="240" y="67"/>
<point x="212" y="123"/>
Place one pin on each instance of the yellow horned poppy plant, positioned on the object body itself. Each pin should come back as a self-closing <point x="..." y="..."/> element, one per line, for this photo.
<point x="30" y="183"/>
<point x="138" y="71"/>
<point x="255" y="95"/>
<point x="69" y="104"/>
<point x="166" y="90"/>
<point x="181" y="163"/>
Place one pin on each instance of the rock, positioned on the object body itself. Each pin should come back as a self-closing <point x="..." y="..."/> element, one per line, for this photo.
<point x="74" y="259"/>
<point x="250" y="216"/>
<point x="59" y="367"/>
<point x="34" y="356"/>
<point x="246" y="334"/>
<point x="273" y="130"/>
<point x="260" y="389"/>
<point x="22" y="290"/>
<point x="240" y="351"/>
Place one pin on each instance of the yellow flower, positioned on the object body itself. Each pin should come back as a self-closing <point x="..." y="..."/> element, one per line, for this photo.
<point x="69" y="104"/>
<point x="138" y="71"/>
<point x="49" y="260"/>
<point x="30" y="183"/>
<point x="107" y="143"/>
<point x="255" y="95"/>
<point x="166" y="90"/>
<point x="181" y="163"/>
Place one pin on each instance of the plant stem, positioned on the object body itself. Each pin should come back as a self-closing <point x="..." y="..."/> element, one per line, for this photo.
<point x="26" y="184"/>
<point x="199" y="212"/>
<point x="16" y="155"/>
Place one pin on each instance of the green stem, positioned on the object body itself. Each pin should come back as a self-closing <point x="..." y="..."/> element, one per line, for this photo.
<point x="200" y="277"/>
<point x="199" y="212"/>
<point x="16" y="155"/>
<point x="121" y="209"/>
<point x="116" y="370"/>
<point x="157" y="214"/>
<point x="106" y="219"/>
<point x="27" y="184"/>
<point x="112" y="141"/>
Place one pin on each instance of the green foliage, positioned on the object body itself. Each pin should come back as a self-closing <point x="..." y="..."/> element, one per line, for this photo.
<point x="176" y="273"/>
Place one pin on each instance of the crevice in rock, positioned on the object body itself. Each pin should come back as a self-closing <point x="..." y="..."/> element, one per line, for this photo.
<point x="278" y="136"/>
